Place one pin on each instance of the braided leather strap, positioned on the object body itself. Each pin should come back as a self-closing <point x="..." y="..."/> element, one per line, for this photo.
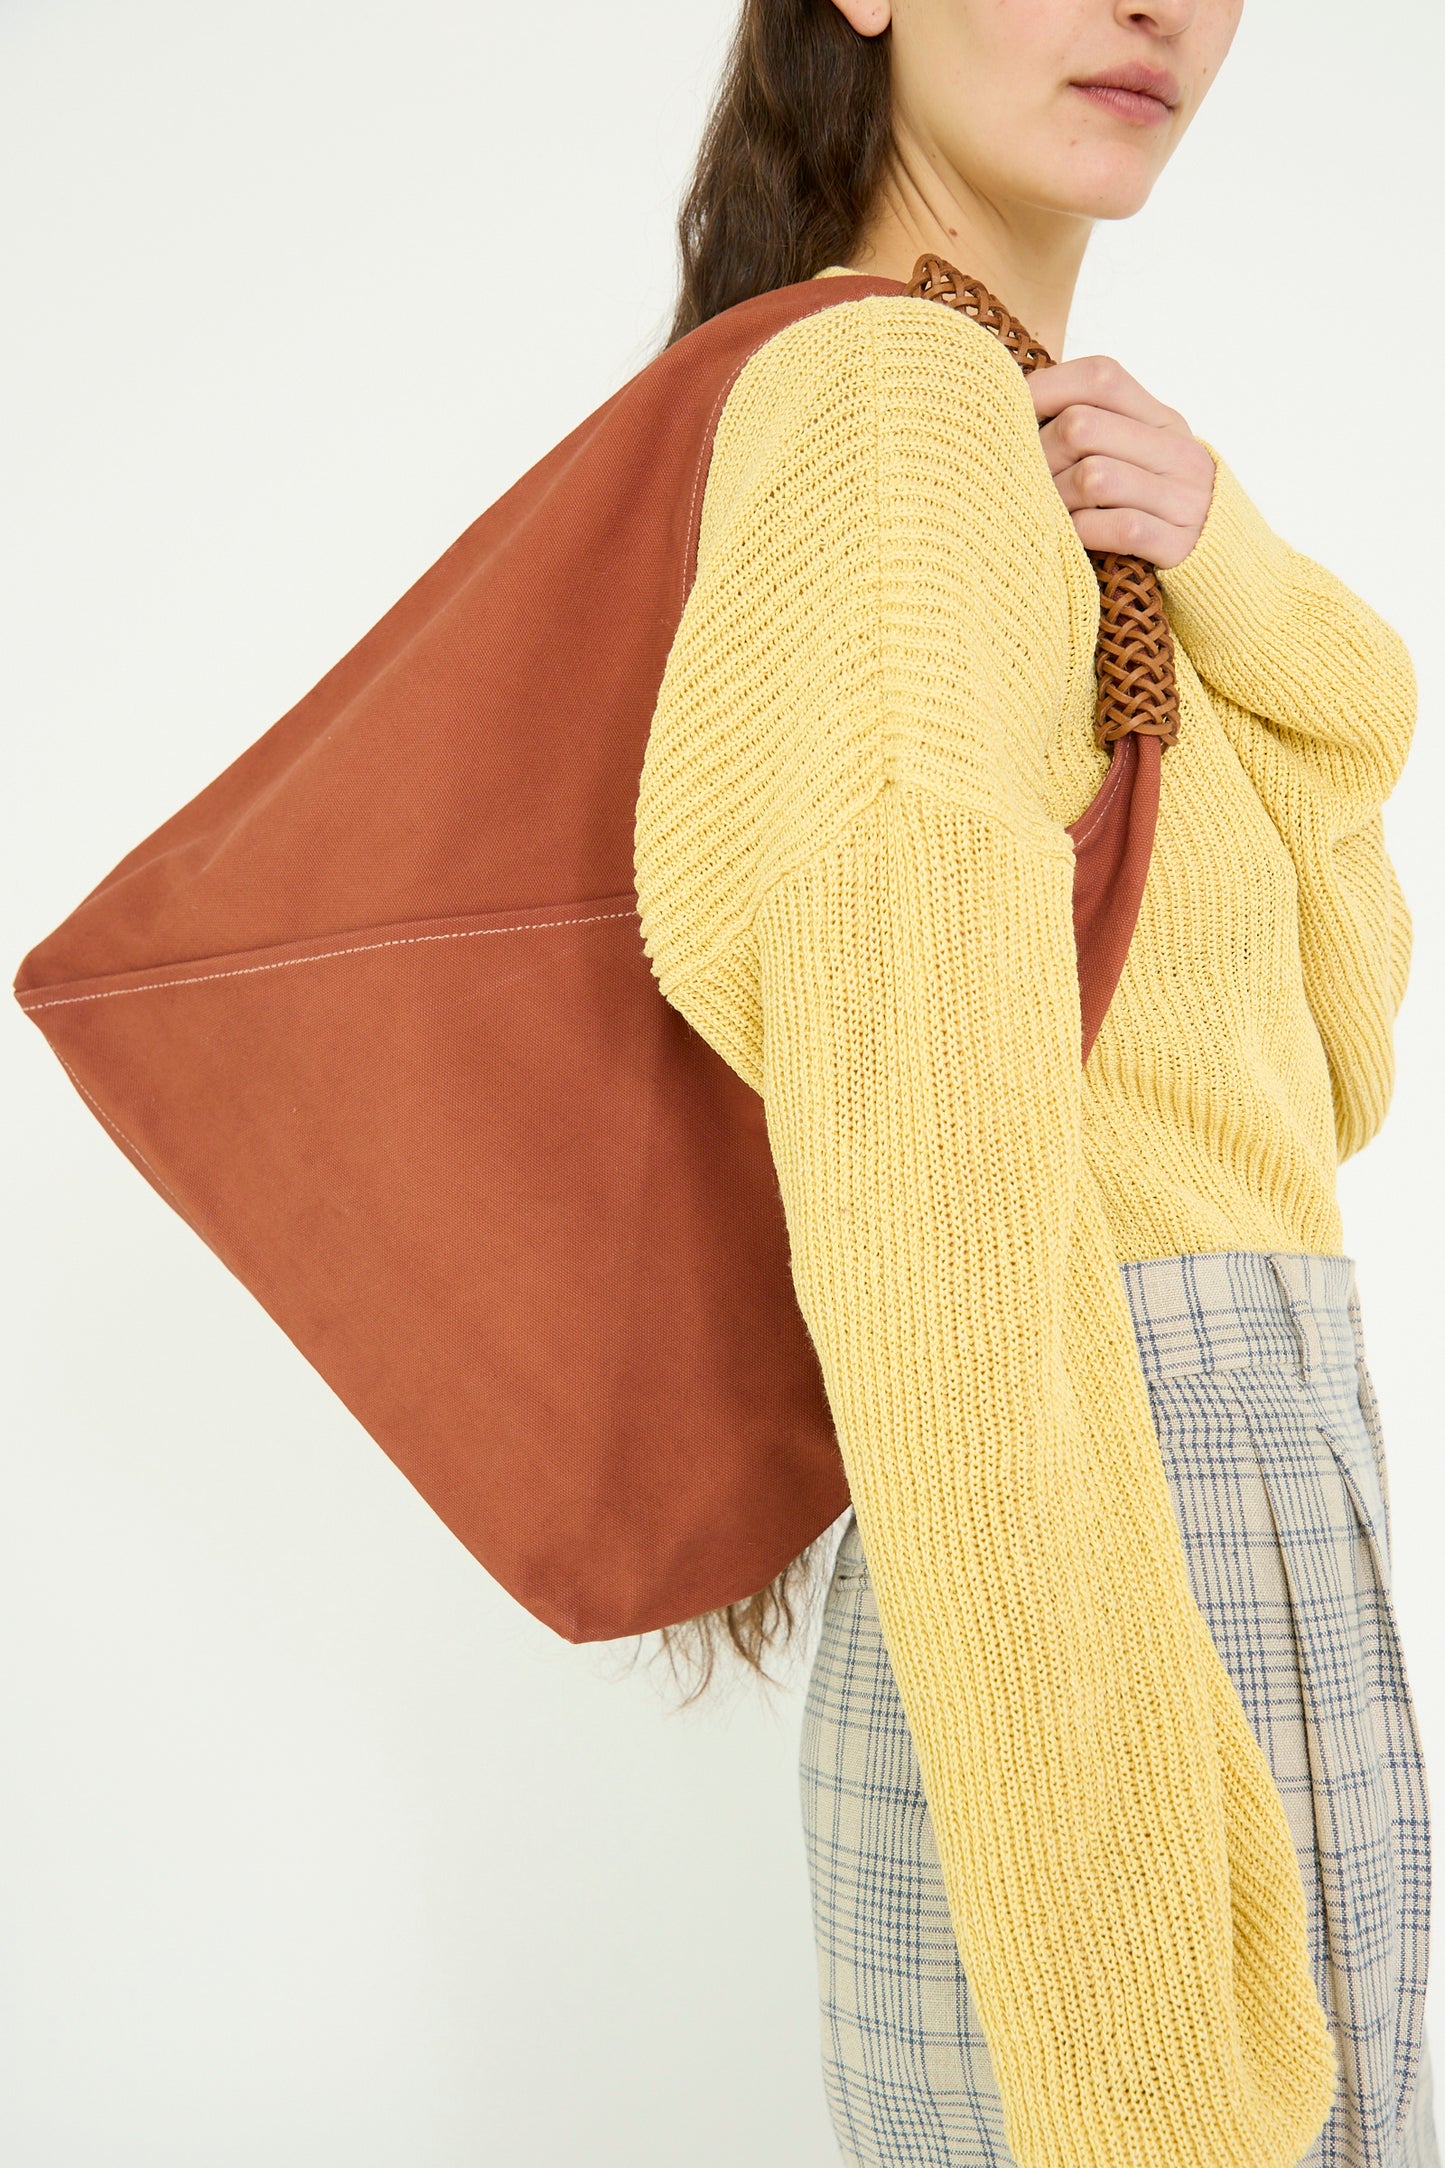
<point x="1134" y="654"/>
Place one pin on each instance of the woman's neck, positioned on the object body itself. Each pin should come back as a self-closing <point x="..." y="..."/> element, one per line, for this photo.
<point x="1026" y="255"/>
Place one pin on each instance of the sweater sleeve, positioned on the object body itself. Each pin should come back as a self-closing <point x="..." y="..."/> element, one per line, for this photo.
<point x="1317" y="695"/>
<point x="850" y="886"/>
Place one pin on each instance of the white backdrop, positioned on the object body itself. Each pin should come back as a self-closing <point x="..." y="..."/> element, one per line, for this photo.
<point x="317" y="1850"/>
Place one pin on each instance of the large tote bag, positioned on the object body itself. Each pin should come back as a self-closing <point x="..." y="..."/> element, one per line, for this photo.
<point x="372" y="1013"/>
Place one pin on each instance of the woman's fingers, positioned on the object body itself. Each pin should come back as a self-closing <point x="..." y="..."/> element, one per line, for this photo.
<point x="1135" y="534"/>
<point x="1097" y="380"/>
<point x="1079" y="430"/>
<point x="1175" y="493"/>
<point x="1130" y="471"/>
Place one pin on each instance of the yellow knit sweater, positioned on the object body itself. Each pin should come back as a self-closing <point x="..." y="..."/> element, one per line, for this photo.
<point x="855" y="882"/>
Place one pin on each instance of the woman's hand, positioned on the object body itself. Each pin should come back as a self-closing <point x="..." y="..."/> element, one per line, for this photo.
<point x="1133" y="476"/>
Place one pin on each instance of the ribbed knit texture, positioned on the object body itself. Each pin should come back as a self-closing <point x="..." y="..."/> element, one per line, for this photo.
<point x="856" y="883"/>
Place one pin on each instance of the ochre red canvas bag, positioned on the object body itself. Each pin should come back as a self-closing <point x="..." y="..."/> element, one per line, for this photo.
<point x="373" y="1014"/>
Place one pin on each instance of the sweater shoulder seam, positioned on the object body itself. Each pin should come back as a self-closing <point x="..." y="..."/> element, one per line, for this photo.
<point x="885" y="783"/>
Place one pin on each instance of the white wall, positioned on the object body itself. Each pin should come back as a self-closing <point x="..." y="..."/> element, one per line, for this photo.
<point x="318" y="1851"/>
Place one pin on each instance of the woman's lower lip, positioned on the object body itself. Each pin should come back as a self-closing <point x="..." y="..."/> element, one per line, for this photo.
<point x="1131" y="104"/>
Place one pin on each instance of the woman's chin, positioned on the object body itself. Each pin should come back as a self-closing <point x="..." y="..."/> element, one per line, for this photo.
<point x="1102" y="181"/>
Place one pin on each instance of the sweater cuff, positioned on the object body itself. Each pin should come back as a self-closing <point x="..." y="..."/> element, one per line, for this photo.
<point x="1224" y="598"/>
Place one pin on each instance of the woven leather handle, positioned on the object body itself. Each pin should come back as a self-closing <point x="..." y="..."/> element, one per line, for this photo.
<point x="1134" y="654"/>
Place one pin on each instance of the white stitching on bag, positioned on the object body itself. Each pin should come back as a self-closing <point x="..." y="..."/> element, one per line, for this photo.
<point x="284" y="963"/>
<point x="125" y="1140"/>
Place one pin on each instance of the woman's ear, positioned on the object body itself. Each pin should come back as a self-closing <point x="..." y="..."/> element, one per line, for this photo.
<point x="868" y="17"/>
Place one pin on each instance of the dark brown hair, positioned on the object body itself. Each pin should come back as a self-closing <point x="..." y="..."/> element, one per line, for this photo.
<point x="789" y="162"/>
<point x="790" y="158"/>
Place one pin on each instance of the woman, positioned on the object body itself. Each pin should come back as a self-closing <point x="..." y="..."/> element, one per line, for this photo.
<point x="1116" y="1576"/>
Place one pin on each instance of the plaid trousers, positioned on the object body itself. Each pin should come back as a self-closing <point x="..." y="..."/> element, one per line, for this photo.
<point x="1270" y="1434"/>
